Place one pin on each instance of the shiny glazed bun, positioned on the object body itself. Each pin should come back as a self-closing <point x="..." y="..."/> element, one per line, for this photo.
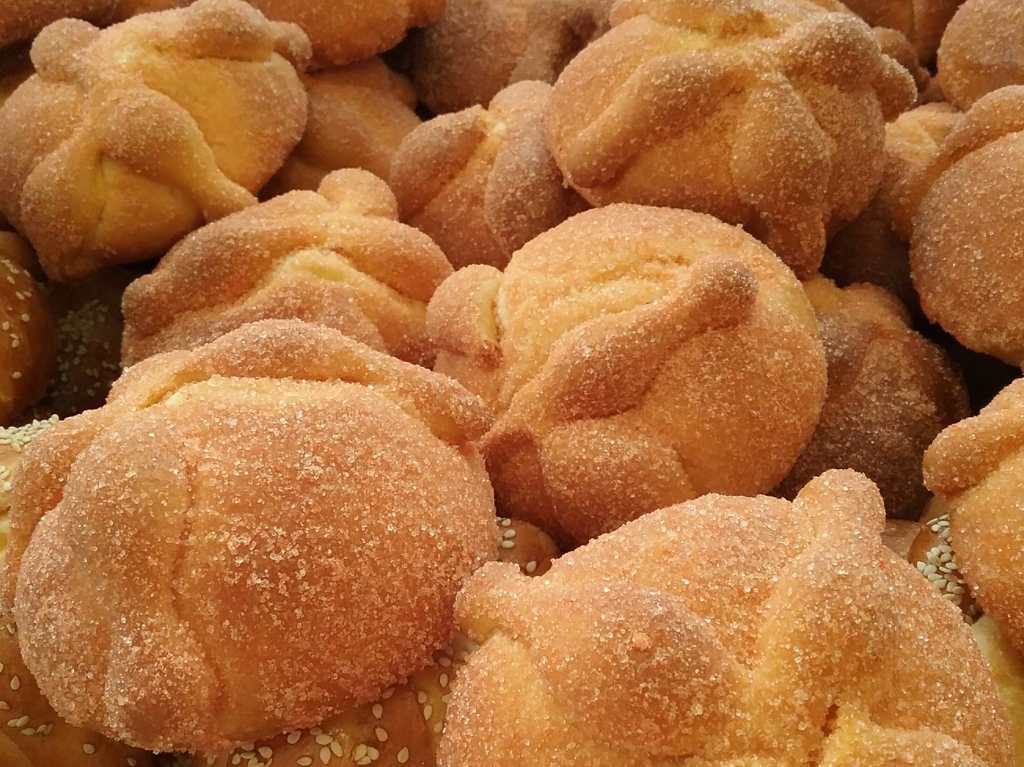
<point x="638" y="357"/>
<point x="128" y="138"/>
<point x="725" y="632"/>
<point x="337" y="257"/>
<point x="766" y="113"/>
<point x="294" y="516"/>
<point x="921" y="21"/>
<point x="358" y="116"/>
<point x="481" y="182"/>
<point x="890" y="392"/>
<point x="966" y="211"/>
<point x="346" y="31"/>
<point x="27" y="346"/>
<point x="982" y="50"/>
<point x="976" y="467"/>
<point x="872" y="248"/>
<point x="481" y="46"/>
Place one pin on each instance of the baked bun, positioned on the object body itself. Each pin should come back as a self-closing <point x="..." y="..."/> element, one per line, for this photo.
<point x="404" y="726"/>
<point x="13" y="441"/>
<point x="481" y="46"/>
<point x="982" y="50"/>
<point x="890" y="392"/>
<point x="26" y="330"/>
<point x="872" y="248"/>
<point x="896" y="46"/>
<point x="725" y="631"/>
<point x="127" y="139"/>
<point x="23" y="19"/>
<point x="295" y="514"/>
<point x="921" y="21"/>
<point x="358" y="116"/>
<point x="346" y="31"/>
<point x="766" y="113"/>
<point x="976" y="467"/>
<point x="481" y="182"/>
<point x="337" y="257"/>
<point x="966" y="211"/>
<point x="638" y="357"/>
<point x="1008" y="670"/>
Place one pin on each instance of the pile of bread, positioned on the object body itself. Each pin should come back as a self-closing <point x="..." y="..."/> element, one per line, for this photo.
<point x="488" y="383"/>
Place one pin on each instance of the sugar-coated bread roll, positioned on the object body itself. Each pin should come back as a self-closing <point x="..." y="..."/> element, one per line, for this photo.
<point x="872" y="248"/>
<point x="128" y="138"/>
<point x="725" y="631"/>
<point x="346" y="31"/>
<point x="358" y="116"/>
<point x="982" y="50"/>
<point x="480" y="46"/>
<point x="766" y="113"/>
<point x="481" y="182"/>
<point x="295" y="513"/>
<point x="964" y="211"/>
<point x="27" y="346"/>
<point x="976" y="467"/>
<point x="921" y="21"/>
<point x="13" y="441"/>
<point x="33" y="735"/>
<point x="638" y="357"/>
<point x="404" y="726"/>
<point x="1008" y="669"/>
<point x="890" y="392"/>
<point x="22" y="19"/>
<point x="896" y="46"/>
<point x="933" y="555"/>
<point x="337" y="257"/>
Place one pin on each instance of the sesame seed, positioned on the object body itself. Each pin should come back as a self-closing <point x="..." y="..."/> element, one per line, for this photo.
<point x="304" y="761"/>
<point x="378" y="710"/>
<point x="428" y="711"/>
<point x="323" y="740"/>
<point x="15" y="683"/>
<point x="294" y="737"/>
<point x="336" y="749"/>
<point x="531" y="566"/>
<point x="403" y="756"/>
<point x="89" y="748"/>
<point x="325" y="755"/>
<point x="266" y="752"/>
<point x="508" y="544"/>
<point x="381" y="733"/>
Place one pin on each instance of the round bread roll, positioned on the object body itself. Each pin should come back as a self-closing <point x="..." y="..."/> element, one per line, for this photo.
<point x="725" y="631"/>
<point x="890" y="392"/>
<point x="127" y="139"/>
<point x="13" y="441"/>
<point x="27" y="346"/>
<point x="337" y="257"/>
<point x="358" y="116"/>
<point x="404" y="726"/>
<point x="896" y="46"/>
<point x="638" y="357"/>
<point x="346" y="31"/>
<point x="23" y="19"/>
<point x="921" y="21"/>
<point x="295" y="514"/>
<point x="481" y="46"/>
<point x="976" y="468"/>
<point x="982" y="50"/>
<point x="766" y="113"/>
<point x="872" y="248"/>
<point x="966" y="211"/>
<point x="1008" y="669"/>
<point x="481" y="182"/>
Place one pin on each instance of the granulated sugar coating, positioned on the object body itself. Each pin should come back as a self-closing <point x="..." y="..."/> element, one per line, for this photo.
<point x="481" y="46"/>
<point x="337" y="257"/>
<point x="294" y="516"/>
<point x="481" y="182"/>
<point x="890" y="392"/>
<point x="967" y="210"/>
<point x="766" y="113"/>
<point x="27" y="347"/>
<point x="130" y="137"/>
<point x="982" y="50"/>
<point x="639" y="357"/>
<point x="725" y="632"/>
<point x="977" y="467"/>
<point x="922" y="21"/>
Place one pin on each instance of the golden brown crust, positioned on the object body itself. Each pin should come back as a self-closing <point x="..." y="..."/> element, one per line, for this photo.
<point x="27" y="346"/>
<point x="266" y="485"/>
<point x="966" y="208"/>
<point x="481" y="46"/>
<point x="782" y="101"/>
<point x="346" y="31"/>
<point x="890" y="392"/>
<point x="128" y="138"/>
<point x="976" y="467"/>
<point x="725" y="631"/>
<point x="481" y="182"/>
<point x="337" y="257"/>
<point x="358" y="116"/>
<point x="638" y="357"/>
<point x="921" y="21"/>
<point x="982" y="50"/>
<point x="1008" y="670"/>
